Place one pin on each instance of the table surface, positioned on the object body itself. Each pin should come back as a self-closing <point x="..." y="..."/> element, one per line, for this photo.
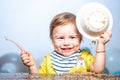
<point x="64" y="76"/>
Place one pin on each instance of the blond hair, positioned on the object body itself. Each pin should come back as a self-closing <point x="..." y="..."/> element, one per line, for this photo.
<point x="62" y="19"/>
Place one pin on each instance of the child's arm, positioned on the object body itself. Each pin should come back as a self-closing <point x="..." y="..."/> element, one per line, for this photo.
<point x="26" y="57"/>
<point x="29" y="61"/>
<point x="100" y="58"/>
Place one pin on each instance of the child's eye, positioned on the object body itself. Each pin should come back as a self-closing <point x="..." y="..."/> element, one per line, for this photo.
<point x="60" y="37"/>
<point x="73" y="37"/>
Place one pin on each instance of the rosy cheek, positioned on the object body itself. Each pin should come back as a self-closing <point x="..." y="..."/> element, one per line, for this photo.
<point x="56" y="46"/>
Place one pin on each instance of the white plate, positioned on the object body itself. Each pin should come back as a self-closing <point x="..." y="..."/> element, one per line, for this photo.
<point x="93" y="19"/>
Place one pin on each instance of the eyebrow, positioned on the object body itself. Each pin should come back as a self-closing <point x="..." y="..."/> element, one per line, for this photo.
<point x="56" y="36"/>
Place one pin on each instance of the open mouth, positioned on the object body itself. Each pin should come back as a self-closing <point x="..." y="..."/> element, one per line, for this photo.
<point x="66" y="49"/>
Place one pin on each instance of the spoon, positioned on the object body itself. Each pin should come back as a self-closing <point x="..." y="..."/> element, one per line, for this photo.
<point x="16" y="43"/>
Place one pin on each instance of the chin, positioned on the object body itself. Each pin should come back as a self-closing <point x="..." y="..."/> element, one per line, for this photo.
<point x="67" y="54"/>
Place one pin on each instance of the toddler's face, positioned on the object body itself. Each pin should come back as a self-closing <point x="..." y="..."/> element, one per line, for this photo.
<point x="65" y="39"/>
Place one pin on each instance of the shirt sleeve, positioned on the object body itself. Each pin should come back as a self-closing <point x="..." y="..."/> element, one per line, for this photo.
<point x="46" y="67"/>
<point x="88" y="57"/>
<point x="42" y="67"/>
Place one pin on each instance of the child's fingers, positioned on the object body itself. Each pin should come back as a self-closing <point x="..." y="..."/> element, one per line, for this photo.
<point x="27" y="61"/>
<point x="27" y="58"/>
<point x="105" y="36"/>
<point x="109" y="33"/>
<point x="25" y="53"/>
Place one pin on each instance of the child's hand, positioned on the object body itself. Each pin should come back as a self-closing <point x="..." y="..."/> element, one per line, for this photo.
<point x="105" y="37"/>
<point x="27" y="59"/>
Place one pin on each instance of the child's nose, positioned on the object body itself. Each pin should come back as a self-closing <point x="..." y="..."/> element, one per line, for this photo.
<point x="66" y="41"/>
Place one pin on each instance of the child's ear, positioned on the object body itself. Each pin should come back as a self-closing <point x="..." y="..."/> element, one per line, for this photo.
<point x="51" y="39"/>
<point x="50" y="36"/>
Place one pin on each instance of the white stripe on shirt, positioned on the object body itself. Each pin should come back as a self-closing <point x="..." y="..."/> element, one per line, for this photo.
<point x="63" y="64"/>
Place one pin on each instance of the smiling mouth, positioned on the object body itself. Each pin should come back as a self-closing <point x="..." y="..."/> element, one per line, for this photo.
<point x="66" y="49"/>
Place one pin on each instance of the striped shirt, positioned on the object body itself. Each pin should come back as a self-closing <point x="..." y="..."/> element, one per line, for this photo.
<point x="63" y="64"/>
